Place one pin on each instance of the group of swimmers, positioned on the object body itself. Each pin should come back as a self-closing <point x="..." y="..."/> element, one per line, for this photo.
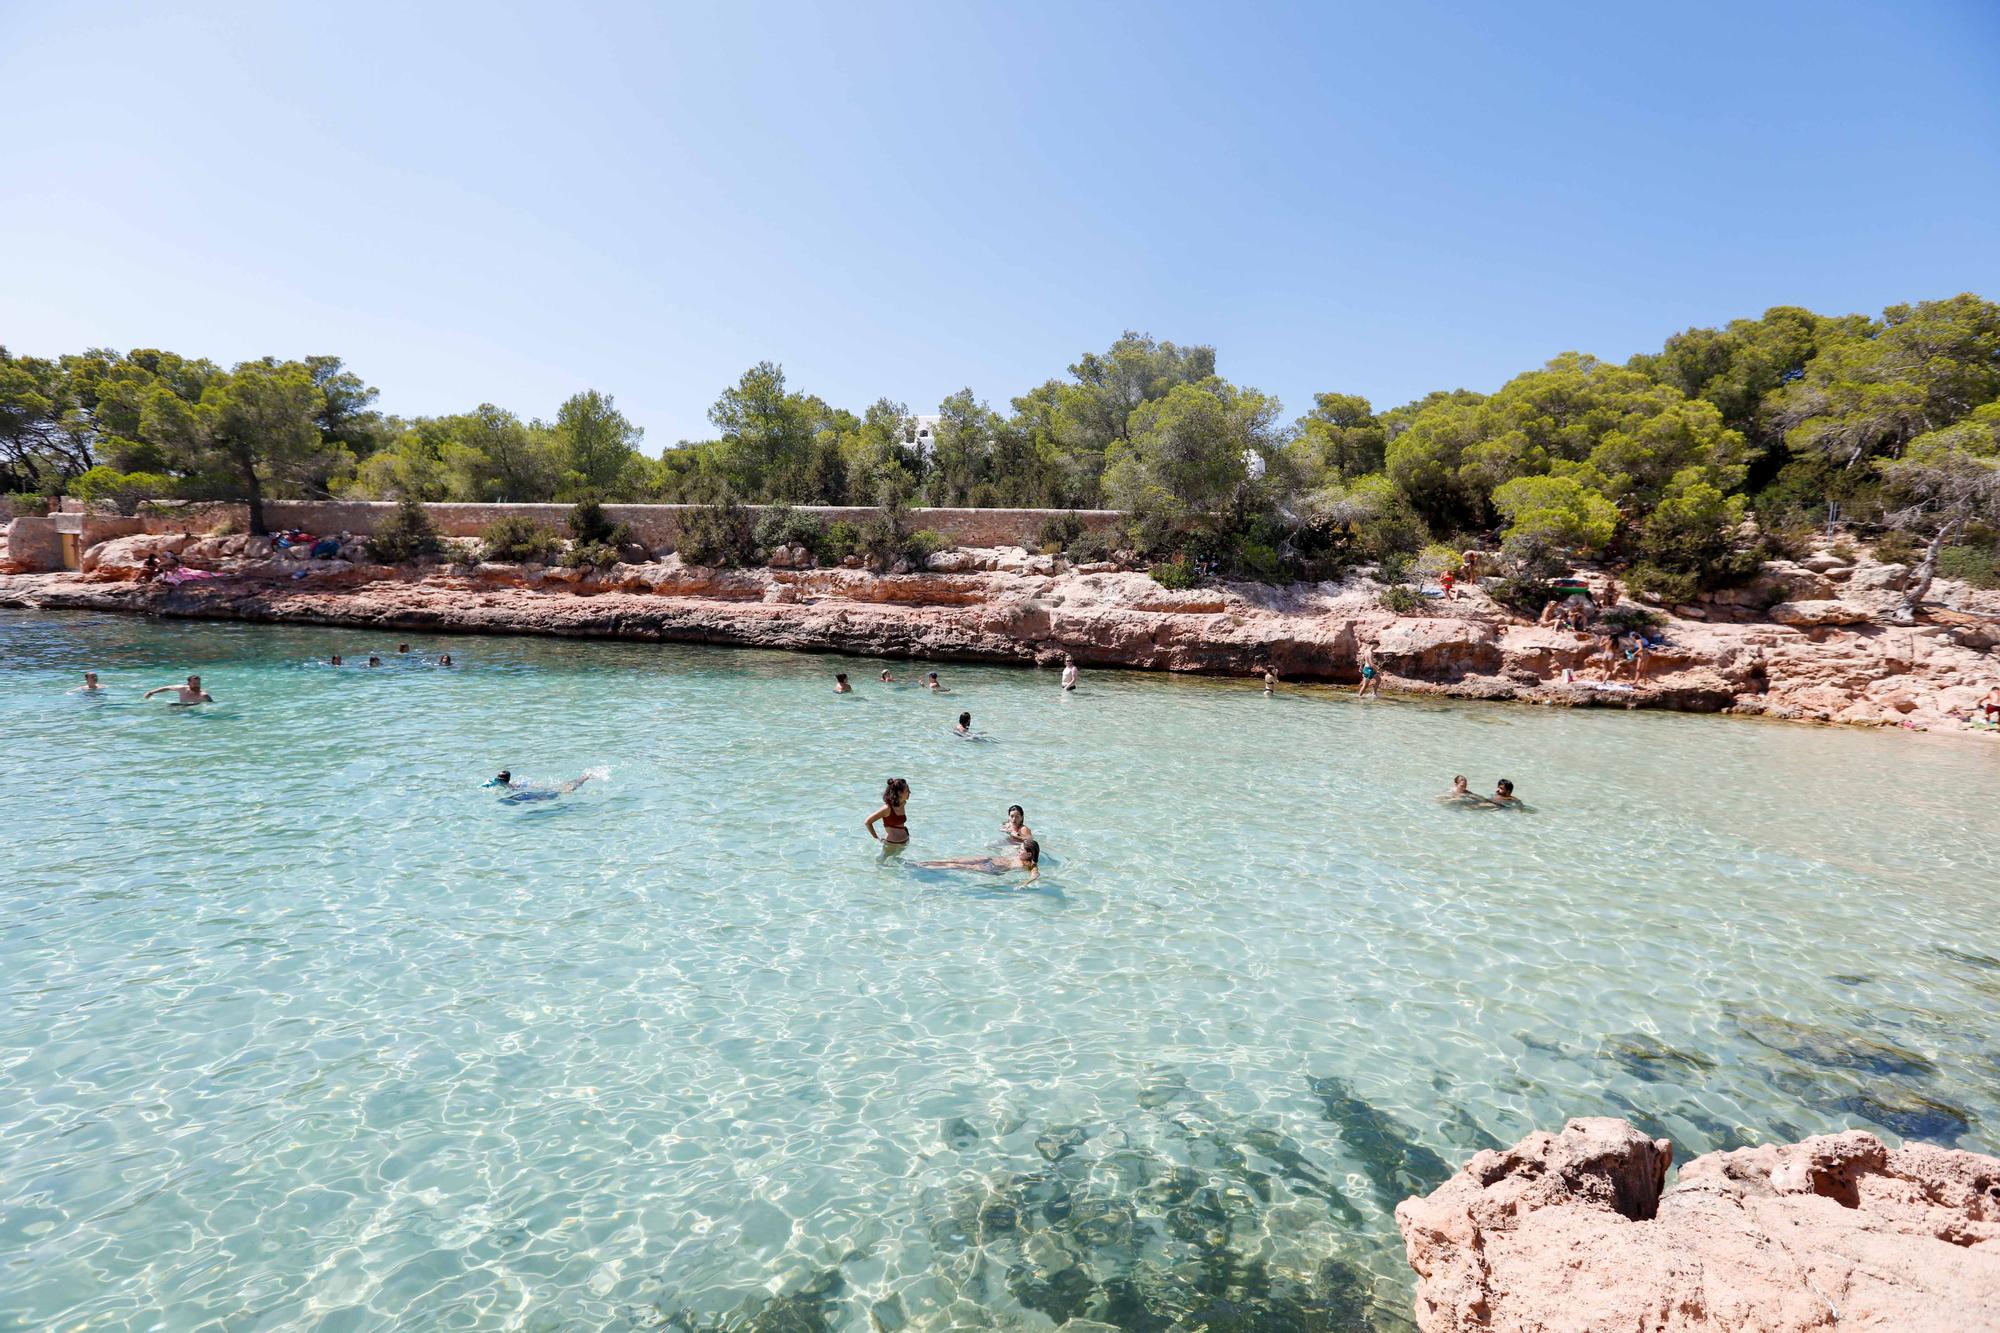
<point x="1503" y="797"/>
<point x="1025" y="853"/>
<point x="402" y="650"/>
<point x="187" y="692"/>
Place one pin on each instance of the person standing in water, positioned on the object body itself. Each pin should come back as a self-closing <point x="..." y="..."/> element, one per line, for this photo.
<point x="1503" y="796"/>
<point x="964" y="727"/>
<point x="90" y="685"/>
<point x="190" y="693"/>
<point x="840" y="685"/>
<point x="1371" y="683"/>
<point x="1270" y="681"/>
<point x="885" y="677"/>
<point x="1016" y="828"/>
<point x="892" y="817"/>
<point x="1069" y="672"/>
<point x="1028" y="857"/>
<point x="931" y="683"/>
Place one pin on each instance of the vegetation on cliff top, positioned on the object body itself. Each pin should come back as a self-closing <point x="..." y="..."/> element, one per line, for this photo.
<point x="1793" y="417"/>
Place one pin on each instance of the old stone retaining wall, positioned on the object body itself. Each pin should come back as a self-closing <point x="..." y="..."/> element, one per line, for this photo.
<point x="655" y="525"/>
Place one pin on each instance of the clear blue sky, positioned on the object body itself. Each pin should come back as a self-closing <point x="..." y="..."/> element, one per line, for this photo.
<point x="507" y="203"/>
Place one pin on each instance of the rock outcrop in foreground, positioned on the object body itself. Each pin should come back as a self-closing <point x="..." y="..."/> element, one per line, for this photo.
<point x="1573" y="1231"/>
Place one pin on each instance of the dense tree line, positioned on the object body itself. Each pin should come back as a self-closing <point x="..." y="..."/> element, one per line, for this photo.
<point x="1793" y="418"/>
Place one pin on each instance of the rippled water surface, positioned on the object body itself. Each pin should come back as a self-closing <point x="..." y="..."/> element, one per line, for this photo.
<point x="301" y="1028"/>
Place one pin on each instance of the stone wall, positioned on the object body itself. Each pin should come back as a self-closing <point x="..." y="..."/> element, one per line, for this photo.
<point x="655" y="525"/>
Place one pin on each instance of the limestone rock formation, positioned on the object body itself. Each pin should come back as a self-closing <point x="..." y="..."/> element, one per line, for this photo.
<point x="1573" y="1231"/>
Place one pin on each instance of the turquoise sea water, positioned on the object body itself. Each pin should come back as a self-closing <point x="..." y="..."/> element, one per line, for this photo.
<point x="301" y="1028"/>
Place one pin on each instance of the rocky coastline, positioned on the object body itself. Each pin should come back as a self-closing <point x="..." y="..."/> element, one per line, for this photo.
<point x="1808" y="641"/>
<point x="1579" y="1231"/>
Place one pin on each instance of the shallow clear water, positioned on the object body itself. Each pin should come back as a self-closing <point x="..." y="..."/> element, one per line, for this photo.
<point x="302" y="1028"/>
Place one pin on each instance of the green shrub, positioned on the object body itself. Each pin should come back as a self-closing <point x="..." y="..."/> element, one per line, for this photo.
<point x="1402" y="599"/>
<point x="1843" y="550"/>
<point x="783" y="525"/>
<point x="407" y="534"/>
<point x="1523" y="594"/>
<point x="1178" y="573"/>
<point x="924" y="543"/>
<point x="589" y="525"/>
<point x="1059" y="532"/>
<point x="1791" y="541"/>
<point x="1090" y="547"/>
<point x="123" y="491"/>
<point x="1394" y="567"/>
<point x="837" y="542"/>
<point x="1258" y="561"/>
<point x="881" y="540"/>
<point x="1663" y="585"/>
<point x="717" y="534"/>
<point x="1897" y="547"/>
<point x="1625" y="619"/>
<point x="1438" y="559"/>
<point x="1977" y="565"/>
<point x="516" y="540"/>
<point x="27" y="504"/>
<point x="591" y="555"/>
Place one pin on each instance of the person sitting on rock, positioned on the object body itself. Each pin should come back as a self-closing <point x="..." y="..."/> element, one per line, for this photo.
<point x="1989" y="707"/>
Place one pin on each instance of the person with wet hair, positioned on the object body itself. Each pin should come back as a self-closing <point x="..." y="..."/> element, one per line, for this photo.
<point x="1016" y="828"/>
<point x="1503" y="797"/>
<point x="840" y="685"/>
<point x="1028" y="857"/>
<point x="892" y="815"/>
<point x="964" y="727"/>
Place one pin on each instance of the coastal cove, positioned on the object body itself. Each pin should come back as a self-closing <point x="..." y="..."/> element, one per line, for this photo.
<point x="307" y="1029"/>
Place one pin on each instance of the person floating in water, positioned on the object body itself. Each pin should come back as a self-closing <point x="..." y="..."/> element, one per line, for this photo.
<point x="188" y="694"/>
<point x="893" y="815"/>
<point x="1016" y="828"/>
<point x="517" y="791"/>
<point x="1027" y="856"/>
<point x="1069" y="672"/>
<point x="90" y="685"/>
<point x="1461" y="793"/>
<point x="931" y="683"/>
<point x="840" y="685"/>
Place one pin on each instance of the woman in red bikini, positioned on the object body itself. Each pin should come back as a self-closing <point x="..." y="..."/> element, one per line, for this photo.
<point x="895" y="824"/>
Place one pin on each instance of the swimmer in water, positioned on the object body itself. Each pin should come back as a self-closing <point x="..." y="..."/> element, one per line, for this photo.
<point x="335" y="660"/>
<point x="1016" y="828"/>
<point x="402" y="647"/>
<point x="1503" y="797"/>
<point x="373" y="660"/>
<point x="892" y="816"/>
<point x="964" y="727"/>
<point x="1461" y="793"/>
<point x="1026" y="857"/>
<point x="517" y="792"/>
<point x="90" y="685"/>
<point x="446" y="661"/>
<point x="885" y="677"/>
<point x="1069" y="672"/>
<point x="931" y="683"/>
<point x="840" y="685"/>
<point x="188" y="694"/>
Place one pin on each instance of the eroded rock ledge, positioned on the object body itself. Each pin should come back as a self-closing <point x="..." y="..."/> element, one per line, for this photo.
<point x="1813" y="656"/>
<point x="1573" y="1231"/>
